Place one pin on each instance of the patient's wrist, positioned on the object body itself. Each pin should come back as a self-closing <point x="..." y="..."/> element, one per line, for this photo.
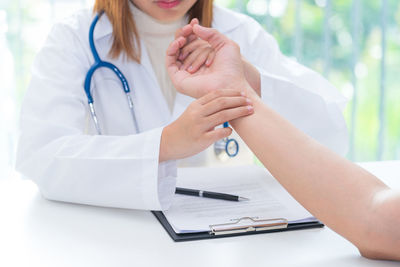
<point x="252" y="76"/>
<point x="249" y="91"/>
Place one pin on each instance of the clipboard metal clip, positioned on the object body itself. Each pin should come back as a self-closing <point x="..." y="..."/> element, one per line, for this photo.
<point x="248" y="224"/>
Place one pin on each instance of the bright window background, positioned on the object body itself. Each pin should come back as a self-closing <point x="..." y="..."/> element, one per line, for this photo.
<point x="354" y="43"/>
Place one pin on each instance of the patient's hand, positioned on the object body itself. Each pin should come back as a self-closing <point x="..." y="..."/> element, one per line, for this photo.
<point x="196" y="53"/>
<point x="226" y="71"/>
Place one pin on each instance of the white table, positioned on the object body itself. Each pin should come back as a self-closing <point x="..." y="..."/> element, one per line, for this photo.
<point x="37" y="232"/>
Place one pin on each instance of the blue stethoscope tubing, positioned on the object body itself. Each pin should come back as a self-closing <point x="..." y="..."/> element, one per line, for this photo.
<point x="98" y="63"/>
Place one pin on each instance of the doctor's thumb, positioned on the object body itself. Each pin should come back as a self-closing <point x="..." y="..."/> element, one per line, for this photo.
<point x="219" y="134"/>
<point x="212" y="36"/>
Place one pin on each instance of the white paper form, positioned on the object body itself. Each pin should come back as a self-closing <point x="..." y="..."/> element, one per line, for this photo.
<point x="268" y="199"/>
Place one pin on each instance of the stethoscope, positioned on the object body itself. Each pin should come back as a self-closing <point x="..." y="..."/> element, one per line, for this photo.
<point x="227" y="145"/>
<point x="98" y="63"/>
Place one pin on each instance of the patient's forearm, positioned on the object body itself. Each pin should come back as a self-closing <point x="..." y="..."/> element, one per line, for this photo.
<point x="338" y="192"/>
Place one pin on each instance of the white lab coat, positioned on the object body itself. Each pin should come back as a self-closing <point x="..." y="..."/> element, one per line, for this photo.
<point x="60" y="151"/>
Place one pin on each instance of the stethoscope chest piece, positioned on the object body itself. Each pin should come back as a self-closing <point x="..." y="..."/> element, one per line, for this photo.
<point x="226" y="148"/>
<point x="231" y="147"/>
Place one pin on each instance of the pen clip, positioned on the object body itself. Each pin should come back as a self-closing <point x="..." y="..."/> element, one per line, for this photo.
<point x="248" y="224"/>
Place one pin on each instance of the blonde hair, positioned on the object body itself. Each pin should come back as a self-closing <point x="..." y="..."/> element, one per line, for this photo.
<point x="125" y="35"/>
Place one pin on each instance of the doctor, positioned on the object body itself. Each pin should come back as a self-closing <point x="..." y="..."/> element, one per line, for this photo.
<point x="135" y="167"/>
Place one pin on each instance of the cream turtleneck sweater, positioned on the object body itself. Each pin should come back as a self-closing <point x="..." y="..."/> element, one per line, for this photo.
<point x="157" y="36"/>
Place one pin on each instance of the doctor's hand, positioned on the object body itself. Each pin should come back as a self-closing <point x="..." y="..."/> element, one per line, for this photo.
<point x="196" y="53"/>
<point x="194" y="130"/>
<point x="226" y="70"/>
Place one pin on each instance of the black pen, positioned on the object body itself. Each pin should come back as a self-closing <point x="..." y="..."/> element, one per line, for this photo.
<point x="208" y="194"/>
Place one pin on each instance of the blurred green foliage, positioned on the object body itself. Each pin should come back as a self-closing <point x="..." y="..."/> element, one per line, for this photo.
<point x="340" y="56"/>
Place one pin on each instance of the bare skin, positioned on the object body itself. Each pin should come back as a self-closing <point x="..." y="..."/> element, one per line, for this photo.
<point x="164" y="14"/>
<point x="348" y="199"/>
<point x="197" y="53"/>
<point x="195" y="130"/>
<point x="177" y="141"/>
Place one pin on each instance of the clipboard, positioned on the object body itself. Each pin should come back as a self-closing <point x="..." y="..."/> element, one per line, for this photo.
<point x="237" y="227"/>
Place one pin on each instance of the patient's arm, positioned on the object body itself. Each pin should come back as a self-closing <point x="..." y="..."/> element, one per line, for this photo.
<point x="345" y="197"/>
<point x="348" y="199"/>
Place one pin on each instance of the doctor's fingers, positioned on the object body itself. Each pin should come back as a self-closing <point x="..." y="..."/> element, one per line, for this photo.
<point x="210" y="58"/>
<point x="218" y="134"/>
<point x="191" y="37"/>
<point x="227" y="115"/>
<point x="171" y="60"/>
<point x="196" y="59"/>
<point x="212" y="36"/>
<point x="205" y="58"/>
<point x="223" y="103"/>
<point x="174" y="47"/>
<point x="219" y="93"/>
<point x="192" y="46"/>
<point x="185" y="31"/>
<point x="194" y="21"/>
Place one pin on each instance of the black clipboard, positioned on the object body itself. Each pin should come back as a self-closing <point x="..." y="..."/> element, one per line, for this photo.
<point x="267" y="226"/>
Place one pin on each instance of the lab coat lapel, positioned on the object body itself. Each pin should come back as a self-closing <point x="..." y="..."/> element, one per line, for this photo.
<point x="150" y="107"/>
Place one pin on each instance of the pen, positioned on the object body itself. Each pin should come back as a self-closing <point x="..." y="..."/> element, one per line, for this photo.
<point x="208" y="194"/>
